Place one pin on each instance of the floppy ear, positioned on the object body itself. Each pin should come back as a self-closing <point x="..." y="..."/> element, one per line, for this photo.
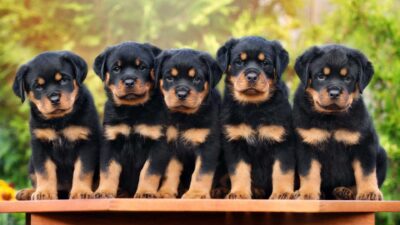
<point x="19" y="86"/>
<point x="224" y="53"/>
<point x="214" y="71"/>
<point x="158" y="63"/>
<point x="79" y="65"/>
<point x="366" y="70"/>
<point x="99" y="65"/>
<point x="281" y="59"/>
<point x="154" y="49"/>
<point x="303" y="62"/>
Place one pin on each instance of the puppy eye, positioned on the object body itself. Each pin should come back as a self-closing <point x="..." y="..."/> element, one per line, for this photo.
<point x="116" y="69"/>
<point x="265" y="63"/>
<point x="196" y="80"/>
<point x="64" y="81"/>
<point x="142" y="67"/>
<point x="348" y="79"/>
<point x="169" y="79"/>
<point x="239" y="62"/>
<point x="321" y="76"/>
<point x="39" y="87"/>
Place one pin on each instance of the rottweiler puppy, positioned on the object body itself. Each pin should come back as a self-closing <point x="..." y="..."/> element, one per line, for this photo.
<point x="64" y="126"/>
<point x="338" y="150"/>
<point x="133" y="120"/>
<point x="256" y="119"/>
<point x="187" y="79"/>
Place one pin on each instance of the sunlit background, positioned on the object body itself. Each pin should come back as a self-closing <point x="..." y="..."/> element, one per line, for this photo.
<point x="86" y="27"/>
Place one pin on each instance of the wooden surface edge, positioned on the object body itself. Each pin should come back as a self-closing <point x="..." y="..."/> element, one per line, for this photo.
<point x="212" y="205"/>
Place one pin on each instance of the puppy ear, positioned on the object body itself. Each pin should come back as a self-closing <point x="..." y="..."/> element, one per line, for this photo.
<point x="281" y="59"/>
<point x="19" y="86"/>
<point x="79" y="65"/>
<point x="214" y="71"/>
<point x="154" y="49"/>
<point x="366" y="69"/>
<point x="99" y="65"/>
<point x="303" y="62"/>
<point x="158" y="64"/>
<point x="224" y="53"/>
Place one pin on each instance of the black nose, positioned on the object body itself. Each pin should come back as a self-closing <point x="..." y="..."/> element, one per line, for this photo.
<point x="129" y="82"/>
<point x="251" y="77"/>
<point x="334" y="92"/>
<point x="182" y="92"/>
<point x="54" y="98"/>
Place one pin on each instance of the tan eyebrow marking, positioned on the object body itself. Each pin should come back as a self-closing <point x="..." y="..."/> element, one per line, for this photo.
<point x="343" y="71"/>
<point x="58" y="76"/>
<point x="192" y="72"/>
<point x="137" y="61"/>
<point x="174" y="72"/>
<point x="261" y="56"/>
<point x="327" y="70"/>
<point x="243" y="56"/>
<point x="119" y="63"/>
<point x="41" y="81"/>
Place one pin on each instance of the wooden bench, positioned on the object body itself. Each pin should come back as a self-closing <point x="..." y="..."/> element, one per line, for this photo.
<point x="193" y="212"/>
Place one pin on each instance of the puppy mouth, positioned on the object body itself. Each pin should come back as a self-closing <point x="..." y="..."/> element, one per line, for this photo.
<point x="132" y="96"/>
<point x="251" y="91"/>
<point x="333" y="107"/>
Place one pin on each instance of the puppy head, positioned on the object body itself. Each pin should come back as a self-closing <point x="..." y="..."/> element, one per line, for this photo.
<point x="334" y="76"/>
<point x="51" y="81"/>
<point x="185" y="77"/>
<point x="253" y="66"/>
<point x="127" y="72"/>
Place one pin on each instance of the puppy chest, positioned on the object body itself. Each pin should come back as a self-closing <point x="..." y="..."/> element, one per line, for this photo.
<point x="62" y="138"/>
<point x="253" y="135"/>
<point x="191" y="137"/>
<point x="323" y="138"/>
<point x="126" y="131"/>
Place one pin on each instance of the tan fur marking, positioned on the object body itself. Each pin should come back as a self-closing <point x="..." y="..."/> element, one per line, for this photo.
<point x="347" y="137"/>
<point x="343" y="72"/>
<point x="109" y="181"/>
<point x="41" y="81"/>
<point x="310" y="185"/>
<point x="112" y="131"/>
<point x="46" y="183"/>
<point x="200" y="184"/>
<point x="75" y="133"/>
<point x="81" y="183"/>
<point x="192" y="72"/>
<point x="313" y="136"/>
<point x="172" y="134"/>
<point x="367" y="184"/>
<point x="241" y="182"/>
<point x="45" y="134"/>
<point x="148" y="183"/>
<point x="153" y="132"/>
<point x="236" y="132"/>
<point x="169" y="187"/>
<point x="152" y="74"/>
<point x="174" y="72"/>
<point x="196" y="136"/>
<point x="272" y="133"/>
<point x="327" y="70"/>
<point x="261" y="56"/>
<point x="57" y="76"/>
<point x="137" y="61"/>
<point x="282" y="182"/>
<point x="239" y="84"/>
<point x="243" y="56"/>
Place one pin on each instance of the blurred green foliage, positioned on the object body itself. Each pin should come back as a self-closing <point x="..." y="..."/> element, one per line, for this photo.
<point x="88" y="26"/>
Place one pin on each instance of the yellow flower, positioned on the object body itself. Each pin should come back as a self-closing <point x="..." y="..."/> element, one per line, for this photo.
<point x="7" y="192"/>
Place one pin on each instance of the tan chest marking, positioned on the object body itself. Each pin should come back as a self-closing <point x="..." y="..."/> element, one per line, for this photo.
<point x="313" y="136"/>
<point x="347" y="137"/>
<point x="75" y="133"/>
<point x="112" y="131"/>
<point x="172" y="134"/>
<point x="196" y="136"/>
<point x="45" y="134"/>
<point x="236" y="132"/>
<point x="272" y="133"/>
<point x="153" y="132"/>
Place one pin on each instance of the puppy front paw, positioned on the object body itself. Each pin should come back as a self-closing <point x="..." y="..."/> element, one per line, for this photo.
<point x="44" y="195"/>
<point x="145" y="195"/>
<point x="307" y="195"/>
<point x="81" y="194"/>
<point x="196" y="194"/>
<point x="24" y="194"/>
<point x="104" y="194"/>
<point x="281" y="195"/>
<point x="238" y="195"/>
<point x="166" y="194"/>
<point x="343" y="193"/>
<point x="375" y="195"/>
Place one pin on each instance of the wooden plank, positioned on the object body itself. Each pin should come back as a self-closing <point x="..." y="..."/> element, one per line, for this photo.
<point x="179" y="205"/>
<point x="202" y="218"/>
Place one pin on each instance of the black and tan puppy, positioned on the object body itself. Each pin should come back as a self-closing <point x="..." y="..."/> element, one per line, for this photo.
<point x="338" y="149"/>
<point x="133" y="118"/>
<point x="187" y="79"/>
<point x="256" y="119"/>
<point x="64" y="126"/>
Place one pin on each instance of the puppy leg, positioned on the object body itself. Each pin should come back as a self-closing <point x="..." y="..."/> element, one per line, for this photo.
<point x="109" y="180"/>
<point x="169" y="188"/>
<point x="46" y="178"/>
<point x="366" y="182"/>
<point x="310" y="182"/>
<point x="344" y="193"/>
<point x="240" y="181"/>
<point x="201" y="182"/>
<point x="148" y="182"/>
<point x="282" y="182"/>
<point x="81" y="182"/>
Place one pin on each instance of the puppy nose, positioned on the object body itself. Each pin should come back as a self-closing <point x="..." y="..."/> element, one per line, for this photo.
<point x="54" y="98"/>
<point x="334" y="92"/>
<point x="129" y="82"/>
<point x="182" y="93"/>
<point x="252" y="77"/>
